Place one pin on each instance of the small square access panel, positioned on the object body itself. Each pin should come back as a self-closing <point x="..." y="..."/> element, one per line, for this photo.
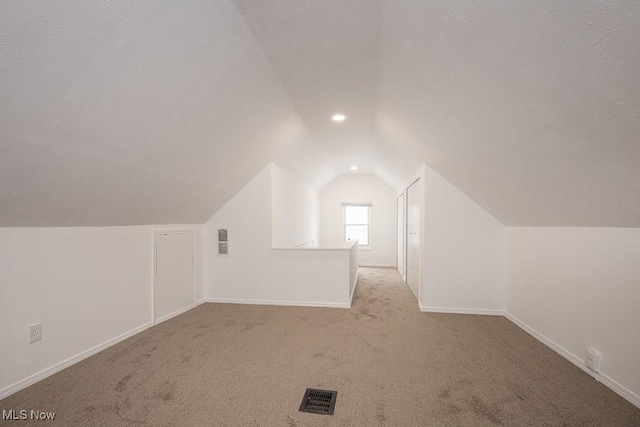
<point x="318" y="401"/>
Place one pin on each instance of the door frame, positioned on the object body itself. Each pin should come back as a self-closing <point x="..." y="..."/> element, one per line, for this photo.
<point x="403" y="272"/>
<point x="406" y="236"/>
<point x="154" y="270"/>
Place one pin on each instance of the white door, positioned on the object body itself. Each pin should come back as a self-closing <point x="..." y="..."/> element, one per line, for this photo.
<point x="400" y="260"/>
<point x="174" y="284"/>
<point x="414" y="198"/>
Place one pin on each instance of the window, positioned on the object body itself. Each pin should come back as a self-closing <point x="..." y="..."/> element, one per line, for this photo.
<point x="356" y="222"/>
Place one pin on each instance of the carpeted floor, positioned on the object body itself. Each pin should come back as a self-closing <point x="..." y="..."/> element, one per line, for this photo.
<point x="242" y="365"/>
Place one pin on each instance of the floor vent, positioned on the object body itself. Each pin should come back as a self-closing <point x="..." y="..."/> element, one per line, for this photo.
<point x="318" y="401"/>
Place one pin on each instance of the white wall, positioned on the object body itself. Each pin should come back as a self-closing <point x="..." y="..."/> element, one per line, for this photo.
<point x="464" y="252"/>
<point x="361" y="188"/>
<point x="295" y="208"/>
<point x="88" y="286"/>
<point x="353" y="270"/>
<point x="580" y="287"/>
<point x="255" y="272"/>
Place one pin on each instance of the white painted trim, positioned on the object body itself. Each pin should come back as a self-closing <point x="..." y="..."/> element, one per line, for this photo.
<point x="377" y="265"/>
<point x="404" y="225"/>
<point x="177" y="312"/>
<point x="13" y="388"/>
<point x="353" y="291"/>
<point x="282" y="303"/>
<point x="449" y="310"/>
<point x="421" y="175"/>
<point x="552" y="345"/>
<point x="618" y="388"/>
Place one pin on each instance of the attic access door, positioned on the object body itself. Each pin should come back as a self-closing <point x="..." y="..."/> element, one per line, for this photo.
<point x="174" y="275"/>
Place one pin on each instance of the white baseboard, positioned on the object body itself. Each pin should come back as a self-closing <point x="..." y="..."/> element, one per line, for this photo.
<point x="13" y="388"/>
<point x="552" y="345"/>
<point x="633" y="398"/>
<point x="618" y="388"/>
<point x="283" y="303"/>
<point x="460" y="310"/>
<point x="178" y="312"/>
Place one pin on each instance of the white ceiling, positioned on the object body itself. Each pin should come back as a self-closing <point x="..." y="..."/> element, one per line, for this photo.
<point x="135" y="112"/>
<point x="531" y="108"/>
<point x="124" y="113"/>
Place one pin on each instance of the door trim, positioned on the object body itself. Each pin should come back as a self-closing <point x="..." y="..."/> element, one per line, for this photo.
<point x="406" y="237"/>
<point x="403" y="273"/>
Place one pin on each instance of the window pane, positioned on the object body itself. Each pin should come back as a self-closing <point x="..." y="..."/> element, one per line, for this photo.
<point x="356" y="214"/>
<point x="361" y="232"/>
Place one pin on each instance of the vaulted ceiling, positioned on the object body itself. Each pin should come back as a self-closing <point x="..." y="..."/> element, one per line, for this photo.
<point x="117" y="113"/>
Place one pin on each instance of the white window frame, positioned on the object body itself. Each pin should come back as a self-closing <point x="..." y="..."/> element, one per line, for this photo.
<point x="344" y="223"/>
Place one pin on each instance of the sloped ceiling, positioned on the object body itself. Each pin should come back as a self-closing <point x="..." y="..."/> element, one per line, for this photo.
<point x="532" y="108"/>
<point x="117" y="113"/>
<point x="326" y="54"/>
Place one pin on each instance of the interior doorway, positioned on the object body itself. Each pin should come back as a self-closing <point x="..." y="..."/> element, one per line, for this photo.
<point x="400" y="258"/>
<point x="414" y="246"/>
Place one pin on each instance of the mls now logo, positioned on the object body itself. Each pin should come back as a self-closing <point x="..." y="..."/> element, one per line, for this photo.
<point x="23" y="414"/>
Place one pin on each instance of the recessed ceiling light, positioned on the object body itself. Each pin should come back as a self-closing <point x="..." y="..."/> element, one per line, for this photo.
<point x="338" y="117"/>
<point x="354" y="168"/>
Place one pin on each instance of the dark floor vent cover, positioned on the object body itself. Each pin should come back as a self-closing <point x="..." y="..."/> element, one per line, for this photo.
<point x="318" y="401"/>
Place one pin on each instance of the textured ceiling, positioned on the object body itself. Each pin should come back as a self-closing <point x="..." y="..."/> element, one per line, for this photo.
<point x="532" y="108"/>
<point x="118" y="113"/>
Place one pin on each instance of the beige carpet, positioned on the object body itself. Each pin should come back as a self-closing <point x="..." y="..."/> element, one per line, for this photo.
<point x="241" y="365"/>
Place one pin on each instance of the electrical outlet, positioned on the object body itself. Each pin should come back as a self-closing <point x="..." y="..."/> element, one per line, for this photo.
<point x="35" y="332"/>
<point x="593" y="360"/>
